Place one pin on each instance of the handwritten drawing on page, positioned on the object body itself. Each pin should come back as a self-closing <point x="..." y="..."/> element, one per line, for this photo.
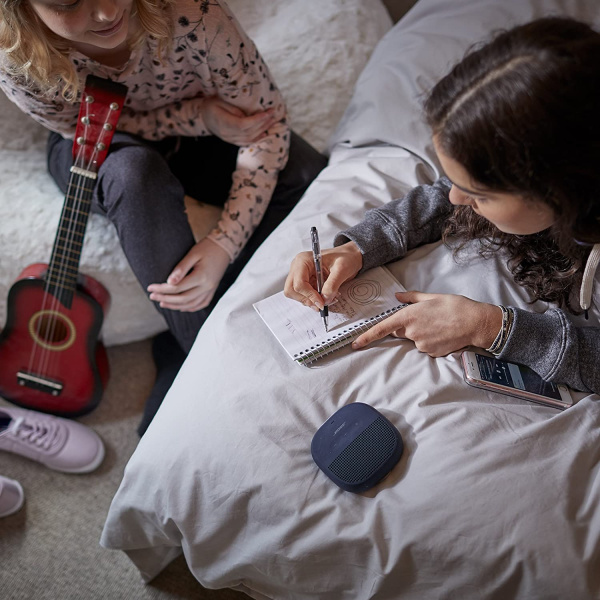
<point x="298" y="328"/>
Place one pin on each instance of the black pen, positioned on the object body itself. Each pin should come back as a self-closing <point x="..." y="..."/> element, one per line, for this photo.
<point x="316" y="249"/>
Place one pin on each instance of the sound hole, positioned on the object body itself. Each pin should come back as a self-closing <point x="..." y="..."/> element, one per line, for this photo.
<point x="51" y="329"/>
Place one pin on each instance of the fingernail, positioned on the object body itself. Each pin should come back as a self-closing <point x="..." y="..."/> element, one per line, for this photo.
<point x="356" y="345"/>
<point x="319" y="305"/>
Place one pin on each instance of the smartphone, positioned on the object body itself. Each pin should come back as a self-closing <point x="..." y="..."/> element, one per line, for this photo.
<point x="500" y="376"/>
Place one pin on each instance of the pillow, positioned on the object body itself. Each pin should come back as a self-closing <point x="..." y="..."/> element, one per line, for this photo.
<point x="386" y="104"/>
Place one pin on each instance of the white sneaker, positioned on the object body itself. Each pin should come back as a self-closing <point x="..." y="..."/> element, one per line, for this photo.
<point x="11" y="496"/>
<point x="57" y="443"/>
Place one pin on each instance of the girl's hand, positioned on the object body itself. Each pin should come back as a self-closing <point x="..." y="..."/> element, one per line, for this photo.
<point x="339" y="265"/>
<point x="438" y="323"/>
<point x="232" y="125"/>
<point x="193" y="282"/>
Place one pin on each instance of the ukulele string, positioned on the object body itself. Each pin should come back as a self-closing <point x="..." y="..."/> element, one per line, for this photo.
<point x="79" y="199"/>
<point x="46" y="327"/>
<point x="49" y="332"/>
<point x="77" y="210"/>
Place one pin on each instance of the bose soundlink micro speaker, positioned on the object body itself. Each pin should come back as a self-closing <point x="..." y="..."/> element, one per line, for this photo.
<point x="356" y="447"/>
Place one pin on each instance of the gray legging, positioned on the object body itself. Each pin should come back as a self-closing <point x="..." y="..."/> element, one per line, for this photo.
<point x="141" y="187"/>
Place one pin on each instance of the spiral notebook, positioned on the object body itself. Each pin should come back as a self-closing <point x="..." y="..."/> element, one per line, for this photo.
<point x="364" y="301"/>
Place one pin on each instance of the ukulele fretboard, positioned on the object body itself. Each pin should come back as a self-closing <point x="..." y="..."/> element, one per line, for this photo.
<point x="61" y="279"/>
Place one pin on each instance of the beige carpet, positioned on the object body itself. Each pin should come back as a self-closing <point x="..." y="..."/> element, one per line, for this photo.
<point x="49" y="549"/>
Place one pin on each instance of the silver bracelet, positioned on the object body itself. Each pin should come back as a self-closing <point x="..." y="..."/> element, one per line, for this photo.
<point x="502" y="337"/>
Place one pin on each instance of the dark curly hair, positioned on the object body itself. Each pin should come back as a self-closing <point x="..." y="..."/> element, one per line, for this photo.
<point x="522" y="115"/>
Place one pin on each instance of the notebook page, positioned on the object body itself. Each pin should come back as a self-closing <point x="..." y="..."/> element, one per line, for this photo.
<point x="299" y="328"/>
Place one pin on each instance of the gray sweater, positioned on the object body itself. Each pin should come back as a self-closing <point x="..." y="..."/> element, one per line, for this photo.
<point x="571" y="354"/>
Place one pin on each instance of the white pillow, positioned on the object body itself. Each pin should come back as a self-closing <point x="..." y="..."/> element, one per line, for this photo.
<point x="417" y="52"/>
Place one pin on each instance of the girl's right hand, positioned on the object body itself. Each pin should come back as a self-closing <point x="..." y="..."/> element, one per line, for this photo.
<point x="231" y="123"/>
<point x="339" y="265"/>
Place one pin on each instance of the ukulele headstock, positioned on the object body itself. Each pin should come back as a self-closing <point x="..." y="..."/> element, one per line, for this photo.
<point x="101" y="105"/>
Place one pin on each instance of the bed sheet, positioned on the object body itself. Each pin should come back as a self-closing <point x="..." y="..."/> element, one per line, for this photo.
<point x="494" y="497"/>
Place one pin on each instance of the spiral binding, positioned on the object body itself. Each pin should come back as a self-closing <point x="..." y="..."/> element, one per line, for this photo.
<point x="343" y="338"/>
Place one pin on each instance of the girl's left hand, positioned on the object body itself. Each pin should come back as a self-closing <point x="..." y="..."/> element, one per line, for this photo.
<point x="438" y="323"/>
<point x="194" y="281"/>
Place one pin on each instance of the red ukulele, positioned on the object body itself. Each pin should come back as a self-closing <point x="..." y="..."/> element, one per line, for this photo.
<point x="50" y="357"/>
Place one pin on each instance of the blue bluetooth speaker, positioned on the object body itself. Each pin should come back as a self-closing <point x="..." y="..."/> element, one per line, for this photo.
<point x="356" y="447"/>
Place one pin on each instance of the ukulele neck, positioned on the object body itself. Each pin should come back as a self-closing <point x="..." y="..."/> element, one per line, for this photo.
<point x="101" y="105"/>
<point x="63" y="270"/>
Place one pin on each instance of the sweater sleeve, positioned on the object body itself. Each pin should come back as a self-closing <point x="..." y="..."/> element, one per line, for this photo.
<point x="51" y="111"/>
<point x="242" y="78"/>
<point x="555" y="348"/>
<point x="388" y="233"/>
<point x="56" y="114"/>
<point x="182" y="117"/>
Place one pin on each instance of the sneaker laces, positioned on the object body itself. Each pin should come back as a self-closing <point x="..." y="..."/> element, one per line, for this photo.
<point x="43" y="434"/>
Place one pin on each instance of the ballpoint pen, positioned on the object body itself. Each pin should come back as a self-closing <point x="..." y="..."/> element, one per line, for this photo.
<point x="316" y="249"/>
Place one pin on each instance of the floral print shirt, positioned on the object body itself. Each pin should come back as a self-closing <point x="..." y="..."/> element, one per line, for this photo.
<point x="210" y="55"/>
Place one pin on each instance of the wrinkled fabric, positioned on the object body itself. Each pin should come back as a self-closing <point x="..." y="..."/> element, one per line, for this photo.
<point x="494" y="497"/>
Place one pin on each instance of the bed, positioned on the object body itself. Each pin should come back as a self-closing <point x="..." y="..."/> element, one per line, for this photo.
<point x="494" y="497"/>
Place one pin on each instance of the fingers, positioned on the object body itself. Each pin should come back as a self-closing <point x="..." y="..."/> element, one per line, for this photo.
<point x="194" y="281"/>
<point x="233" y="125"/>
<point x="299" y="282"/>
<point x="339" y="265"/>
<point x="394" y="325"/>
<point x="255" y="126"/>
<point x="337" y="276"/>
<point x="186" y="296"/>
<point x="186" y="302"/>
<point x="391" y="325"/>
<point x="247" y="129"/>
<point x="182" y="268"/>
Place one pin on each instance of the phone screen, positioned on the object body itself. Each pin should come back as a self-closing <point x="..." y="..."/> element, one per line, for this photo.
<point x="515" y="376"/>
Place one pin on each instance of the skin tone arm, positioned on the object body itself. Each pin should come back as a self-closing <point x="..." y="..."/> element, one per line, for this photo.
<point x="438" y="323"/>
<point x="193" y="282"/>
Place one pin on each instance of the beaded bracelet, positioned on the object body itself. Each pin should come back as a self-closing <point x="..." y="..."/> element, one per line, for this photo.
<point x="502" y="337"/>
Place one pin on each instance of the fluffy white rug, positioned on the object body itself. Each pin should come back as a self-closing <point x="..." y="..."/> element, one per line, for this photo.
<point x="315" y="48"/>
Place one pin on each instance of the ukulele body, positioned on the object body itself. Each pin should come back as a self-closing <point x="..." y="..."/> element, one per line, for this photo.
<point x="50" y="357"/>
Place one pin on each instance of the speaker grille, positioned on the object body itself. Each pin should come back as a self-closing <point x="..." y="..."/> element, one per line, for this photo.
<point x="366" y="453"/>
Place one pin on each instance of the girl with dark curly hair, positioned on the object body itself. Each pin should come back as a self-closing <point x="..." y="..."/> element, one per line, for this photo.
<point x="516" y="127"/>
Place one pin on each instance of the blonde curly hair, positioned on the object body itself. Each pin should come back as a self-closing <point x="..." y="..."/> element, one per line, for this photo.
<point x="41" y="58"/>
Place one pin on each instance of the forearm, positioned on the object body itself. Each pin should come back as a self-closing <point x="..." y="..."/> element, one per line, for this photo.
<point x="253" y="182"/>
<point x="387" y="233"/>
<point x="184" y="118"/>
<point x="555" y="348"/>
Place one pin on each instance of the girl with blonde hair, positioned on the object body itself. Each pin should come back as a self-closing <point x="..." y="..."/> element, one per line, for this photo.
<point x="203" y="117"/>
